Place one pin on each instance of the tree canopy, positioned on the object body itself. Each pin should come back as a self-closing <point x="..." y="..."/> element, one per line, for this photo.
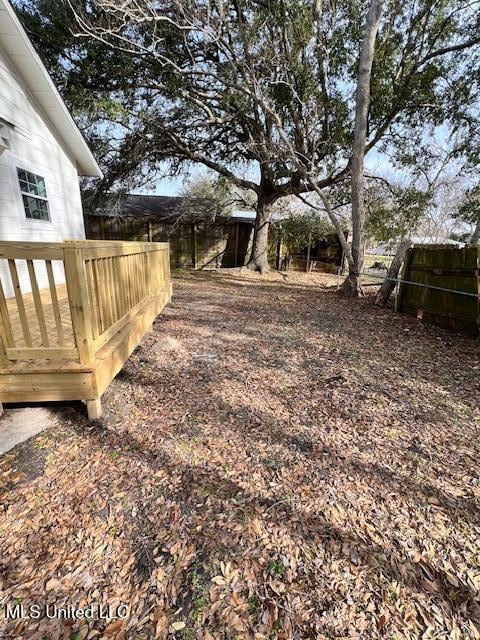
<point x="303" y="228"/>
<point x="260" y="91"/>
<point x="394" y="212"/>
<point x="469" y="212"/>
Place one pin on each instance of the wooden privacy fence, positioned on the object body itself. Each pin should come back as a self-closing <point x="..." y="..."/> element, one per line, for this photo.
<point x="69" y="339"/>
<point x="443" y="286"/>
<point x="193" y="244"/>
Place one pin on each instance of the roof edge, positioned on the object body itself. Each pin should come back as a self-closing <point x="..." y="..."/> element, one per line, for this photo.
<point x="86" y="163"/>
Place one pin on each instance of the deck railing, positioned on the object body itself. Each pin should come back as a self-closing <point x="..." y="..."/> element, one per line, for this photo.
<point x="107" y="283"/>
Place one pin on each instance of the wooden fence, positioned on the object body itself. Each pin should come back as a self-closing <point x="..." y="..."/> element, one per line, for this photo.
<point x="87" y="321"/>
<point x="433" y="268"/>
<point x="223" y="242"/>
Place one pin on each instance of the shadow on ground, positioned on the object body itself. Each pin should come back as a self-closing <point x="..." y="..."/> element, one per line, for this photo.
<point x="274" y="460"/>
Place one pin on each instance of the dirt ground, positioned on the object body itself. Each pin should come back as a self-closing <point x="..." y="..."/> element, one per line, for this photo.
<point x="274" y="462"/>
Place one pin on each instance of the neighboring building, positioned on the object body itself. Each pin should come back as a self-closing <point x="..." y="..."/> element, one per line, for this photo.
<point x="436" y="241"/>
<point x="390" y="249"/>
<point x="42" y="152"/>
<point x="382" y="250"/>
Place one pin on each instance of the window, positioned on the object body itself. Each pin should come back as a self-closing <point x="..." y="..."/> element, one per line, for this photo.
<point x="34" y="195"/>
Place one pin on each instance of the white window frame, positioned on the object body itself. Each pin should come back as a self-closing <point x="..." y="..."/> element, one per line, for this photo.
<point x="33" y="195"/>
<point x="15" y="163"/>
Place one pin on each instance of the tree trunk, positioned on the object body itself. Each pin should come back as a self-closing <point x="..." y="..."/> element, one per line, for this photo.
<point x="475" y="237"/>
<point x="388" y="286"/>
<point x="337" y="226"/>
<point x="352" y="286"/>
<point x="259" y="258"/>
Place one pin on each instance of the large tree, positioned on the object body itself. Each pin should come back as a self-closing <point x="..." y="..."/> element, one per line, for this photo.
<point x="263" y="91"/>
<point x="394" y="214"/>
<point x="231" y="75"/>
<point x="352" y="286"/>
<point x="424" y="78"/>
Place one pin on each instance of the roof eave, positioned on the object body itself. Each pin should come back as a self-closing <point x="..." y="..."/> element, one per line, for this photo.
<point x="20" y="50"/>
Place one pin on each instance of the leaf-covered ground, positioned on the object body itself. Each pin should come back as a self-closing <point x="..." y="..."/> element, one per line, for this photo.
<point x="274" y="462"/>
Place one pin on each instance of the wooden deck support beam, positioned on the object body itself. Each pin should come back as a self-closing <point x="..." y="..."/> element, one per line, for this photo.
<point x="94" y="409"/>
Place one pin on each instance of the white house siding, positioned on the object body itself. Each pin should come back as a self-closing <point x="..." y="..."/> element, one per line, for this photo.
<point x="35" y="147"/>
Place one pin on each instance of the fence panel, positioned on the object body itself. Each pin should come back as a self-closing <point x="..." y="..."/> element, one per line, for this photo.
<point x="445" y="267"/>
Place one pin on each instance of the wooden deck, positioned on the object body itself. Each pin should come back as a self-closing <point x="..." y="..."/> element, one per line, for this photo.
<point x="67" y="342"/>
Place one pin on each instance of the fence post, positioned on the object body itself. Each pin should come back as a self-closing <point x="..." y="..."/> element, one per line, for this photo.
<point x="397" y="291"/>
<point x="478" y="287"/>
<point x="309" y="248"/>
<point x="194" y="245"/>
<point x="403" y="274"/>
<point x="279" y="250"/>
<point x="80" y="311"/>
<point x="235" y="257"/>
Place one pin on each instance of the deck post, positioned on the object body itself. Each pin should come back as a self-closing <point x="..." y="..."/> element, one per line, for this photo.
<point x="80" y="311"/>
<point x="1" y="409"/>
<point x="94" y="409"/>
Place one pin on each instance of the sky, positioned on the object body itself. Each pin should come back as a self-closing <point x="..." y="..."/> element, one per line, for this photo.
<point x="166" y="187"/>
<point x="174" y="186"/>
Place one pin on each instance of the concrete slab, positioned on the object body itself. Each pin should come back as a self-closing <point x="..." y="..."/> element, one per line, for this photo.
<point x="20" y="423"/>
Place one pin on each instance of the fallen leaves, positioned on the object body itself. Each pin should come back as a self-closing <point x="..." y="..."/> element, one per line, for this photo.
<point x="113" y="628"/>
<point x="275" y="462"/>
<point x="178" y="626"/>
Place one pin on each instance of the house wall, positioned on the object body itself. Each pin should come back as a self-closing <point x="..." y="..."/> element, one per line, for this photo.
<point x="36" y="147"/>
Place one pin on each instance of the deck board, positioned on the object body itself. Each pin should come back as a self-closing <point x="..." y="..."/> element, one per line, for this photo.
<point x="37" y="365"/>
<point x="49" y="318"/>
